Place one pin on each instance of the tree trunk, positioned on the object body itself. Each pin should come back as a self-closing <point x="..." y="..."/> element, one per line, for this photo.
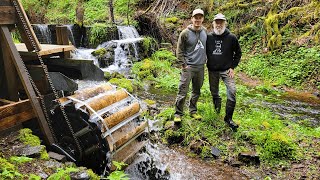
<point x="111" y="17"/>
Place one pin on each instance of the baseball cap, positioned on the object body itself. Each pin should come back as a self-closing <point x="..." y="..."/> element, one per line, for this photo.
<point x="219" y="16"/>
<point x="197" y="11"/>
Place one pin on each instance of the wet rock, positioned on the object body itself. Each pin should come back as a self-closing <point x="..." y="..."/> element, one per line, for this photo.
<point x="29" y="151"/>
<point x="249" y="158"/>
<point x="169" y="125"/>
<point x="53" y="164"/>
<point x="43" y="175"/>
<point x="235" y="163"/>
<point x="81" y="175"/>
<point x="58" y="157"/>
<point x="215" y="152"/>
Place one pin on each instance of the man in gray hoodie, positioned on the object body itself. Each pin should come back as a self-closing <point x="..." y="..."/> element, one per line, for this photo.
<point x="191" y="55"/>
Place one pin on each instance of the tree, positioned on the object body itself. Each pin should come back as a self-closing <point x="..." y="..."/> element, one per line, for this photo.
<point x="111" y="17"/>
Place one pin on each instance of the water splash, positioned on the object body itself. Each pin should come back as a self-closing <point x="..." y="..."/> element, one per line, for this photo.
<point x="70" y="33"/>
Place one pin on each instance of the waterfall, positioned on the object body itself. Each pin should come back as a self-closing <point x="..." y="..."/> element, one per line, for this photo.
<point x="43" y="31"/>
<point x="70" y="33"/>
<point x="124" y="50"/>
<point x="129" y="36"/>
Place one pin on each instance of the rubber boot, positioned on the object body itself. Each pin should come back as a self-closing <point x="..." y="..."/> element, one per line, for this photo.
<point x="229" y="112"/>
<point x="217" y="105"/>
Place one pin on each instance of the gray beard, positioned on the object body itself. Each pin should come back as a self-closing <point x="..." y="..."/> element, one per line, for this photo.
<point x="219" y="32"/>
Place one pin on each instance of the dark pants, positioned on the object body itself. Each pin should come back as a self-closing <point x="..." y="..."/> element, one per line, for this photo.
<point x="214" y="77"/>
<point x="194" y="75"/>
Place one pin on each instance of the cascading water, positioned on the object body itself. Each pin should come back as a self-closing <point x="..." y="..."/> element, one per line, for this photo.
<point x="70" y="33"/>
<point x="129" y="36"/>
<point x="124" y="49"/>
<point x="45" y="33"/>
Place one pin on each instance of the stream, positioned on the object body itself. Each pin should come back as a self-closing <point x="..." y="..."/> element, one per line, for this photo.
<point x="161" y="162"/>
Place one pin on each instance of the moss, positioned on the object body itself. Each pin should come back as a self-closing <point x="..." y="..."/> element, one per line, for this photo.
<point x="124" y="83"/>
<point x="149" y="102"/>
<point x="34" y="177"/>
<point x="92" y="175"/>
<point x="63" y="173"/>
<point x="149" y="45"/>
<point x="99" y="53"/>
<point x="173" y="20"/>
<point x="4" y="164"/>
<point x="20" y="160"/>
<point x="278" y="146"/>
<point x="26" y="136"/>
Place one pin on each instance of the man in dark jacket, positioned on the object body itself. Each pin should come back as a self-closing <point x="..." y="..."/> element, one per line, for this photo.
<point x="191" y="55"/>
<point x="224" y="54"/>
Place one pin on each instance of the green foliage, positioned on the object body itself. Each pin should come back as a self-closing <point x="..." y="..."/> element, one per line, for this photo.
<point x="8" y="170"/>
<point x="118" y="174"/>
<point x="173" y="20"/>
<point x="100" y="33"/>
<point x="61" y="11"/>
<point x="294" y="68"/>
<point x="124" y="83"/>
<point x="96" y="11"/>
<point x="158" y="69"/>
<point x="63" y="173"/>
<point x="166" y="114"/>
<point x="93" y="176"/>
<point x="164" y="55"/>
<point x="34" y="177"/>
<point x="149" y="45"/>
<point x="20" y="160"/>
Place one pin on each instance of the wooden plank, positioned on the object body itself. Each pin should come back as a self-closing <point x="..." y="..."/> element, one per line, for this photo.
<point x="4" y="31"/>
<point x="8" y="15"/>
<point x="5" y="3"/>
<point x="15" y="108"/>
<point x="62" y="35"/>
<point x="46" y="49"/>
<point x="5" y="101"/>
<point x="22" y="31"/>
<point x="16" y="119"/>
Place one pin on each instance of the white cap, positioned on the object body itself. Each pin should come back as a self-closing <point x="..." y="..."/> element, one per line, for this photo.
<point x="219" y="16"/>
<point x="197" y="11"/>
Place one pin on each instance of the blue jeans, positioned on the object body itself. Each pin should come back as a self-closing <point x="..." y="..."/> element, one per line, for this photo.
<point x="214" y="77"/>
<point x="196" y="76"/>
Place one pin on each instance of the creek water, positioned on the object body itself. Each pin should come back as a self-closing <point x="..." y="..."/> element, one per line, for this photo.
<point x="158" y="161"/>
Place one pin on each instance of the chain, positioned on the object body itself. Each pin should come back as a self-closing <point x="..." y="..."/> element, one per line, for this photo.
<point x="49" y="80"/>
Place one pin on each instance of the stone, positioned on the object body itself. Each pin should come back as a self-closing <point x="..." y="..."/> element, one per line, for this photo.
<point x="249" y="158"/>
<point x="81" y="175"/>
<point x="29" y="151"/>
<point x="58" y="157"/>
<point x="215" y="152"/>
<point x="169" y="125"/>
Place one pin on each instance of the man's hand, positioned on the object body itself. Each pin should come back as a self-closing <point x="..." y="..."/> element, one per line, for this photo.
<point x="231" y="73"/>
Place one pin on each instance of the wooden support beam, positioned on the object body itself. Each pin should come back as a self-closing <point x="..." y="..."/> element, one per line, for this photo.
<point x="10" y="73"/>
<point x="22" y="31"/>
<point x="63" y="39"/>
<point x="8" y="15"/>
<point x="4" y="31"/>
<point x="15" y="113"/>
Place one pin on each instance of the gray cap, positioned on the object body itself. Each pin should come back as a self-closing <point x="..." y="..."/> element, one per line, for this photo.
<point x="219" y="16"/>
<point x="197" y="11"/>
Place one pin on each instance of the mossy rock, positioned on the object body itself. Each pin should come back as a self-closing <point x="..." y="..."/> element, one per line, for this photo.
<point x="99" y="53"/>
<point x="124" y="83"/>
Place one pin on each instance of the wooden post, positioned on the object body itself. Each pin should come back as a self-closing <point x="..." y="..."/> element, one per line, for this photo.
<point x="4" y="31"/>
<point x="63" y="39"/>
<point x="22" y="31"/>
